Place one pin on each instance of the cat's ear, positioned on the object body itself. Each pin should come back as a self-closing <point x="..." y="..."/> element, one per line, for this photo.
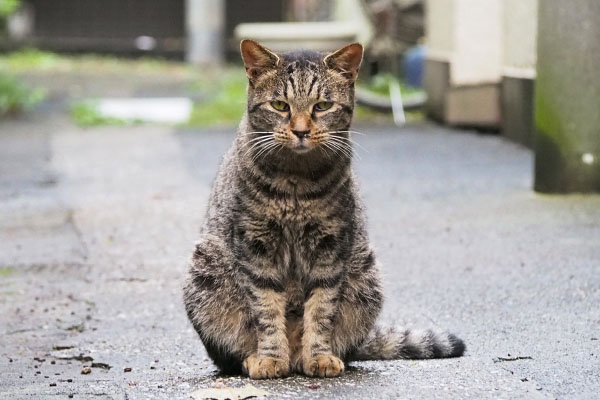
<point x="257" y="58"/>
<point x="346" y="60"/>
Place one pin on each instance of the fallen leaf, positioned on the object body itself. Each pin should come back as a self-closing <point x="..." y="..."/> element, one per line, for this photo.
<point x="231" y="393"/>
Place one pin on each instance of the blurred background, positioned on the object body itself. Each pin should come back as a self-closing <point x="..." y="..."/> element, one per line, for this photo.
<point x="517" y="68"/>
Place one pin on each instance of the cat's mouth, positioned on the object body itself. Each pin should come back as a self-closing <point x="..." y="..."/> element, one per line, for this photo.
<point x="302" y="146"/>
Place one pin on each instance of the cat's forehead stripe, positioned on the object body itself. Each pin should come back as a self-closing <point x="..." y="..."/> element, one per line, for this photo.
<point x="292" y="82"/>
<point x="312" y="84"/>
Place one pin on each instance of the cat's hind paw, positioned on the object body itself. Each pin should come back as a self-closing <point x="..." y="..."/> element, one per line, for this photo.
<point x="265" y="367"/>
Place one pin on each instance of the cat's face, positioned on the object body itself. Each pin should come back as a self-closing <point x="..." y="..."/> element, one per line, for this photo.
<point x="303" y="100"/>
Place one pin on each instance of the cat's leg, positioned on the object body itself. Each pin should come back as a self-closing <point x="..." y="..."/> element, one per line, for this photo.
<point x="317" y="355"/>
<point x="338" y="316"/>
<point x="217" y="307"/>
<point x="271" y="358"/>
<point x="239" y="315"/>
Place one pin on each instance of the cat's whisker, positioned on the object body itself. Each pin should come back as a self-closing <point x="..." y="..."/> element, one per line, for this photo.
<point x="263" y="143"/>
<point x="344" y="145"/>
<point x="328" y="147"/>
<point x="258" y="139"/>
<point x="324" y="151"/>
<point x="341" y="139"/>
<point x="252" y="133"/>
<point x="350" y="131"/>
<point x="255" y="141"/>
<point x="279" y="149"/>
<point x="340" y="148"/>
<point x="342" y="152"/>
<point x="337" y="152"/>
<point x="255" y="145"/>
<point x="258" y="145"/>
<point x="273" y="148"/>
<point x="263" y="150"/>
<point x="266" y="151"/>
<point x="349" y="140"/>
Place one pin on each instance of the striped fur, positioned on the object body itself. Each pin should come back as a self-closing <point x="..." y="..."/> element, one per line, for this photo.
<point x="283" y="278"/>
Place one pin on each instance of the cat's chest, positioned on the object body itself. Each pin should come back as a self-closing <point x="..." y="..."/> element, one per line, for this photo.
<point x="295" y="237"/>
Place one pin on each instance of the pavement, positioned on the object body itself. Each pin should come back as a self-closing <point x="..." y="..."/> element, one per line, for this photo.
<point x="96" y="226"/>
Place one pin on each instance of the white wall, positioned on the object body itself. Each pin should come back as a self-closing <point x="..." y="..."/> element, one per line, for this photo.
<point x="482" y="39"/>
<point x="478" y="42"/>
<point x="519" y="41"/>
<point x="439" y="29"/>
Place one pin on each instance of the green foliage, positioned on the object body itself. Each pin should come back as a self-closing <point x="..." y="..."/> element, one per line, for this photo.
<point x="6" y="271"/>
<point x="16" y="97"/>
<point x="31" y="60"/>
<point x="86" y="114"/>
<point x="28" y="59"/>
<point x="7" y="7"/>
<point x="226" y="98"/>
<point x="381" y="84"/>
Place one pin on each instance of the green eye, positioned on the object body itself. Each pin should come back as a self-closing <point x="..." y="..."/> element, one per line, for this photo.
<point x="280" y="105"/>
<point x="323" y="105"/>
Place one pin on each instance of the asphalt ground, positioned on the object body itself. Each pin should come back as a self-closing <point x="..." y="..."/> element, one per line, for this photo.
<point x="96" y="227"/>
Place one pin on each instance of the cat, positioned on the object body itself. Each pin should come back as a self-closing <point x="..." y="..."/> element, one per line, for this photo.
<point x="283" y="279"/>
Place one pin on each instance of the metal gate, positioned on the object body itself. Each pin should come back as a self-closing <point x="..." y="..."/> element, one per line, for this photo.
<point x="110" y="25"/>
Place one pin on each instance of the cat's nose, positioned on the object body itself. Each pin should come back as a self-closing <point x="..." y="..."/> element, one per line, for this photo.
<point x="300" y="134"/>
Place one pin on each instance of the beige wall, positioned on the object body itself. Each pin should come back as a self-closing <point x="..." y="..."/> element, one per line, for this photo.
<point x="519" y="41"/>
<point x="478" y="55"/>
<point x="439" y="29"/>
<point x="482" y="39"/>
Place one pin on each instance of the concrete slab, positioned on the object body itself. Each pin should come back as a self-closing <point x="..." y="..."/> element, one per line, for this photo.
<point x="168" y="110"/>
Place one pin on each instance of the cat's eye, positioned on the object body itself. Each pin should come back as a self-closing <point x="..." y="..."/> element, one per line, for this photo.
<point x="280" y="105"/>
<point x="323" y="105"/>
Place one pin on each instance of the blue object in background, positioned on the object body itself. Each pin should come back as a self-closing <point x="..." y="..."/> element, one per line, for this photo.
<point x="413" y="65"/>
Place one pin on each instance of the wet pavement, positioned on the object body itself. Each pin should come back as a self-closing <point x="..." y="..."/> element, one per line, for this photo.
<point x="96" y="226"/>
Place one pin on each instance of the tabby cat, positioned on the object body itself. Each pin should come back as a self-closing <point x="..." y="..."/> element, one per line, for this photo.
<point x="283" y="278"/>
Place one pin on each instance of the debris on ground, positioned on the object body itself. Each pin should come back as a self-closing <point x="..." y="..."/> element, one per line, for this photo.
<point x="515" y="358"/>
<point x="225" y="392"/>
<point x="101" y="365"/>
<point x="59" y="348"/>
<point x="71" y="356"/>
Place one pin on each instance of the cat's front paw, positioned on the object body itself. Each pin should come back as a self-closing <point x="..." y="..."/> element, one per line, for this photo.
<point x="323" y="365"/>
<point x="265" y="367"/>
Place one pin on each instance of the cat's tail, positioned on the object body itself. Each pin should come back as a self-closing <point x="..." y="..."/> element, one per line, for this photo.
<point x="392" y="344"/>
